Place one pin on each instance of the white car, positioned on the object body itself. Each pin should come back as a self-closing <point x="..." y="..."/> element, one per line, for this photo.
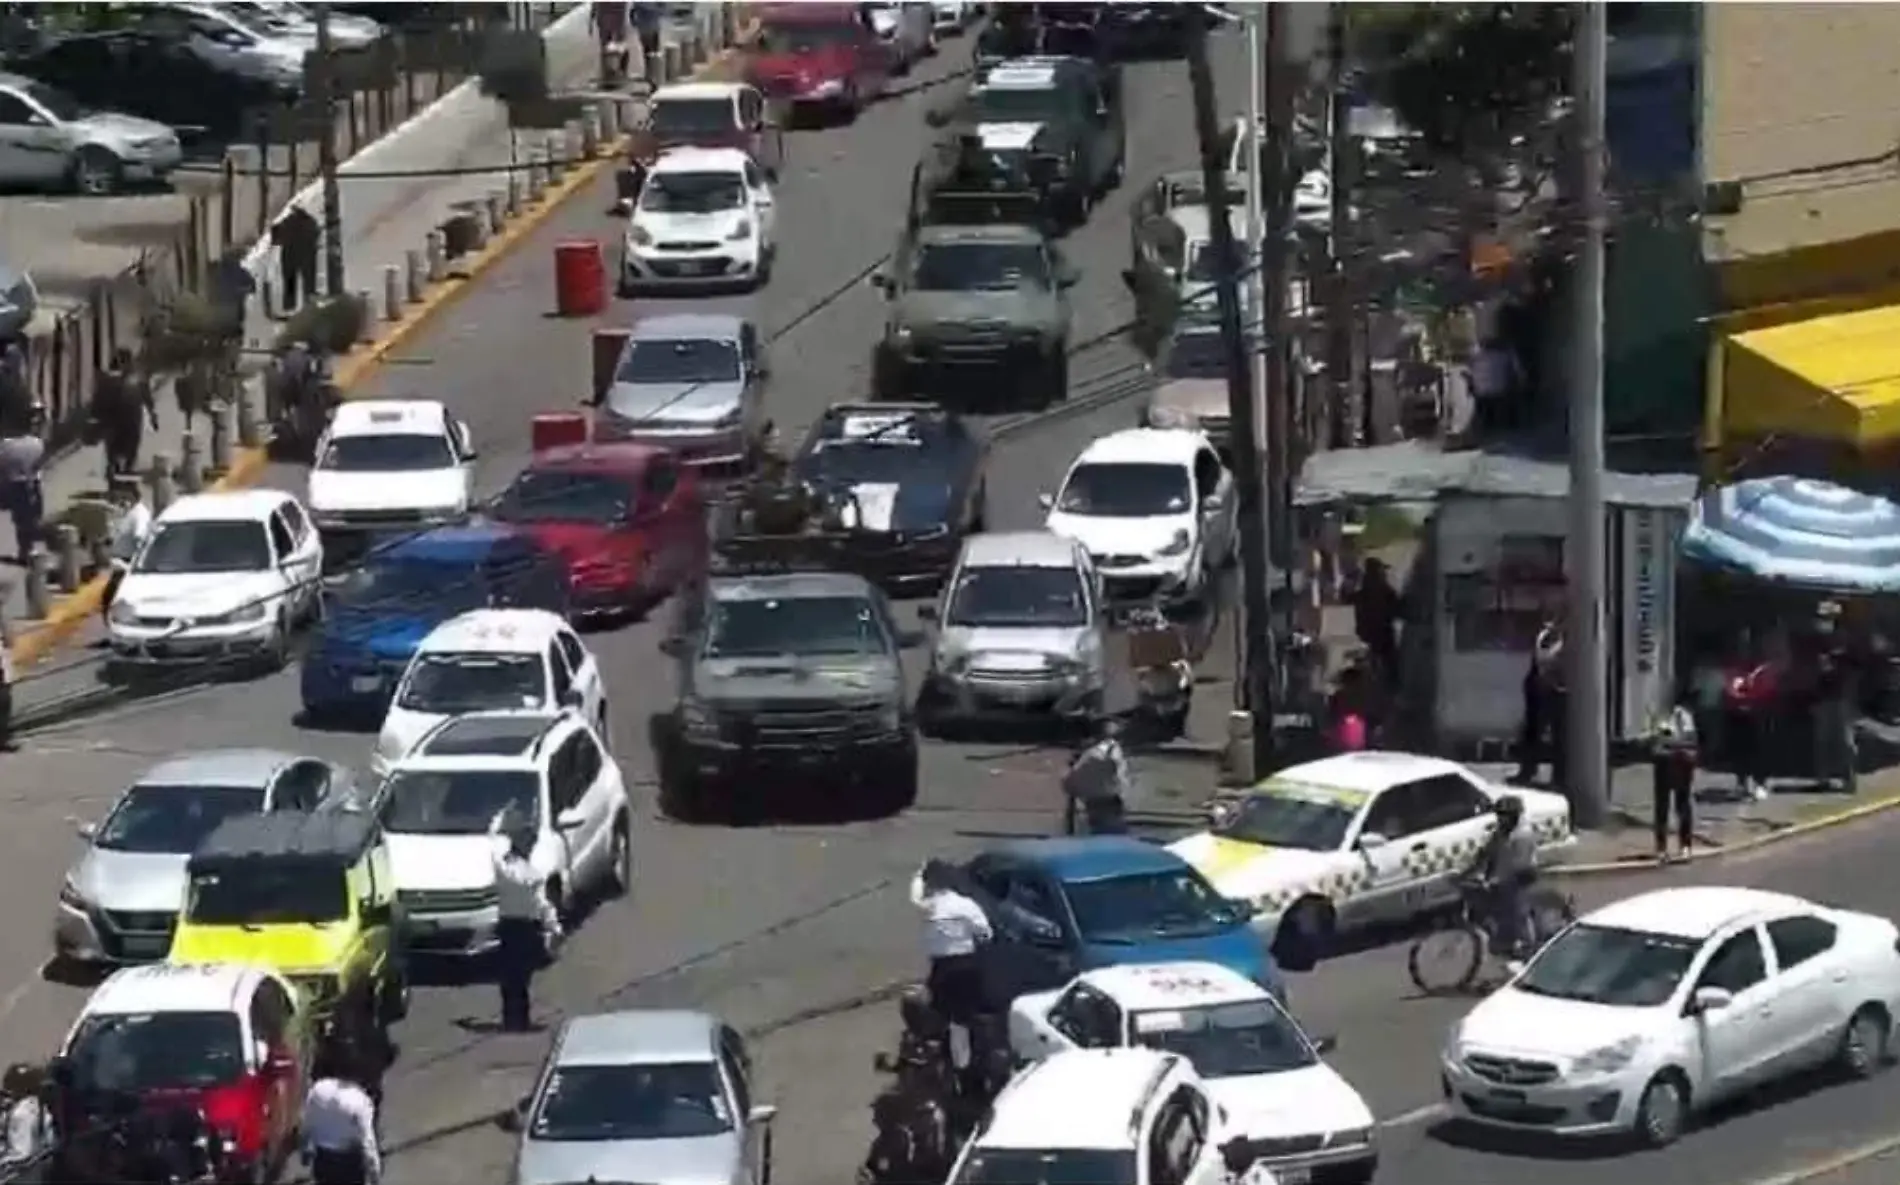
<point x="230" y="39"/>
<point x="490" y="660"/>
<point x="1104" y="1116"/>
<point x="348" y="30"/>
<point x="908" y="28"/>
<point x="227" y="575"/>
<point x="391" y="463"/>
<point x="1155" y="507"/>
<point x="440" y="806"/>
<point x="1348" y="842"/>
<point x="1298" y="1114"/>
<point x="1671" y="1002"/>
<point x="951" y="17"/>
<point x="705" y="218"/>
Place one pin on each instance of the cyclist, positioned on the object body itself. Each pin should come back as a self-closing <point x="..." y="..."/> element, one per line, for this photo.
<point x="1507" y="868"/>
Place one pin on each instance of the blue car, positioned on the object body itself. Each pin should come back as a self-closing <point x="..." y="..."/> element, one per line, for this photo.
<point x="380" y="612"/>
<point x="1063" y="906"/>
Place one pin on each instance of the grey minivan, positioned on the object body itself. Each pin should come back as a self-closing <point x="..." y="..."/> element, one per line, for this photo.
<point x="644" y="1095"/>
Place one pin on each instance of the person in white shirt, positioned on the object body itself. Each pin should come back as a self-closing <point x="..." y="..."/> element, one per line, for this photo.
<point x="528" y="923"/>
<point x="130" y="528"/>
<point x="339" y="1129"/>
<point x="954" y="925"/>
<point x="29" y="1131"/>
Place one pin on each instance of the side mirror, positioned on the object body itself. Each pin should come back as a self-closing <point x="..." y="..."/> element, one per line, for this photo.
<point x="673" y="647"/>
<point x="514" y="1118"/>
<point x="86" y="831"/>
<point x="1131" y="279"/>
<point x="572" y="698"/>
<point x="910" y="639"/>
<point x="1709" y="999"/>
<point x="570" y="819"/>
<point x="1325" y="1045"/>
<point x="1044" y="934"/>
<point x="1046" y="501"/>
<point x="926" y="613"/>
<point x="880" y="281"/>
<point x="1514" y="967"/>
<point x="762" y="1113"/>
<point x="883" y="1063"/>
<point x="378" y="915"/>
<point x="1068" y="277"/>
<point x="1244" y="909"/>
<point x="1372" y="841"/>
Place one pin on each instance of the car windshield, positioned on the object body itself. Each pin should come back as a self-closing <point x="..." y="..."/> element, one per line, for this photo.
<point x="458" y="802"/>
<point x="171" y="820"/>
<point x="980" y="267"/>
<point x="398" y="452"/>
<point x="1148" y="905"/>
<point x="414" y="586"/>
<point x="267" y="893"/>
<point x="206" y="545"/>
<point x="1054" y="1166"/>
<point x="813" y="626"/>
<point x="1018" y="596"/>
<point x="1018" y="104"/>
<point x="552" y="496"/>
<point x="1227" y="1040"/>
<point x="691" y="117"/>
<point x="692" y="193"/>
<point x="1126" y="489"/>
<point x="679" y="360"/>
<point x="1603" y="965"/>
<point x="1288" y="815"/>
<point x="139" y="1052"/>
<point x="1195" y="356"/>
<point x="657" y="1101"/>
<point x="798" y="37"/>
<point x="1203" y="263"/>
<point x="452" y="684"/>
<point x="58" y="103"/>
<point x="894" y="459"/>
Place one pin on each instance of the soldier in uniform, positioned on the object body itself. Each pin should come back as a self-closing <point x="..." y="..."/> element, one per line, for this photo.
<point x="297" y="236"/>
<point x="777" y="503"/>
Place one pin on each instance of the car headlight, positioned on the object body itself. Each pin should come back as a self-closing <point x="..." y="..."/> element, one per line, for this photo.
<point x="694" y="716"/>
<point x="1350" y="1138"/>
<point x="1609" y="1059"/>
<point x="900" y="333"/>
<point x="730" y="419"/>
<point x="254" y="611"/>
<point x="150" y="144"/>
<point x="1068" y="668"/>
<point x="639" y="236"/>
<point x="951" y="664"/>
<point x="121" y="613"/>
<point x="829" y="86"/>
<point x="740" y="233"/>
<point x="69" y="895"/>
<point x="1178" y="545"/>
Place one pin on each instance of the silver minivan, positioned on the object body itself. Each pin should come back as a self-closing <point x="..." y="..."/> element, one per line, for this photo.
<point x="1021" y="635"/>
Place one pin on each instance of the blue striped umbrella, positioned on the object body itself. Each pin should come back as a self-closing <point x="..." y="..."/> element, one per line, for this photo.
<point x="1809" y="533"/>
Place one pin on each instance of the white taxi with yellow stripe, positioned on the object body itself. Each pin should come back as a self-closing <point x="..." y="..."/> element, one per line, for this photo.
<point x="1356" y="840"/>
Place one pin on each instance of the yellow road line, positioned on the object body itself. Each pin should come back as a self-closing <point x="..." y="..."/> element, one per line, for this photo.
<point x="1832" y="819"/>
<point x="69" y="614"/>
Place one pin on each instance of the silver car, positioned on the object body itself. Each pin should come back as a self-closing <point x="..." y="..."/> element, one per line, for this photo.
<point x="49" y="139"/>
<point x="645" y="1095"/>
<point x="121" y="899"/>
<point x="1020" y="634"/>
<point x="693" y="383"/>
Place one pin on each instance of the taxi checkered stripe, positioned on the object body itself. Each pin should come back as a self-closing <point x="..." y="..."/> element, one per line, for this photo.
<point x="1437" y="858"/>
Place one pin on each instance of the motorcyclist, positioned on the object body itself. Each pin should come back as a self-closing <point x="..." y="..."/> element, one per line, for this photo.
<point x="1507" y="867"/>
<point x="1096" y="787"/>
<point x="911" y="1117"/>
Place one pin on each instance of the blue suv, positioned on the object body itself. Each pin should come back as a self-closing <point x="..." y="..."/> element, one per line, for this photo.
<point x="379" y="613"/>
<point x="1063" y="906"/>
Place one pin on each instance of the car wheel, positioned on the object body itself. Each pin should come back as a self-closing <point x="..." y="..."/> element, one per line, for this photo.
<point x="620" y="870"/>
<point x="277" y="651"/>
<point x="395" y="1002"/>
<point x="1863" y="1048"/>
<point x="1303" y="934"/>
<point x="1662" y="1111"/>
<point x="96" y="172"/>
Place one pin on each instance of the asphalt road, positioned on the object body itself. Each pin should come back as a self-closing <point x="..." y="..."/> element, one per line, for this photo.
<point x="788" y="931"/>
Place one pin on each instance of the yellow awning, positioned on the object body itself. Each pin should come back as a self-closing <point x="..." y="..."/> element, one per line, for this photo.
<point x="1831" y="378"/>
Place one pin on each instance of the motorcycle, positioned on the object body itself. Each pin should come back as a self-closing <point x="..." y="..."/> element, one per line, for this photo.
<point x="1158" y="655"/>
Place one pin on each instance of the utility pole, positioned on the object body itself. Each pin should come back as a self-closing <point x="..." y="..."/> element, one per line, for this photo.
<point x="1277" y="337"/>
<point x="1258" y="671"/>
<point x="1589" y="749"/>
<point x="1255" y="327"/>
<point x="1344" y="419"/>
<point x="324" y="85"/>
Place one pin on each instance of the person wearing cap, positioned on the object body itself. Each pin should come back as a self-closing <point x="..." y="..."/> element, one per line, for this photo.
<point x="528" y="920"/>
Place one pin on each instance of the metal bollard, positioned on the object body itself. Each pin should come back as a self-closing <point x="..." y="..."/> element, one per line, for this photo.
<point x="537" y="176"/>
<point x="99" y="554"/>
<point x="513" y="194"/>
<point x="39" y="599"/>
<point x="412" y="274"/>
<point x="163" y="483"/>
<point x="436" y="251"/>
<point x="670" y="62"/>
<point x="554" y="150"/>
<point x="590" y="132"/>
<point x="392" y="292"/>
<point x="191" y="464"/>
<point x="478" y="224"/>
<point x="223" y="429"/>
<point x="571" y="138"/>
<point x="250" y="433"/>
<point x="66" y="570"/>
<point x="608" y="113"/>
<point x="495" y="208"/>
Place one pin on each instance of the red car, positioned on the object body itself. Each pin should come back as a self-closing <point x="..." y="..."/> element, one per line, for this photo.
<point x="711" y="115"/>
<point x="819" y="57"/>
<point x="627" y="520"/>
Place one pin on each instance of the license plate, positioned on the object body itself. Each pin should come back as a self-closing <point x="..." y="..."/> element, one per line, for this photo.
<point x="1510" y="1096"/>
<point x="1293" y="1176"/>
<point x="422" y="925"/>
<point x="366" y="683"/>
<point x="701" y="268"/>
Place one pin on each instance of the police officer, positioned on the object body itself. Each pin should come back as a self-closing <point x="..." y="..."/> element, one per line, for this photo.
<point x="528" y="923"/>
<point x="121" y="407"/>
<point x="339" y="1127"/>
<point x="1507" y="864"/>
<point x="954" y="926"/>
<point x="297" y="236"/>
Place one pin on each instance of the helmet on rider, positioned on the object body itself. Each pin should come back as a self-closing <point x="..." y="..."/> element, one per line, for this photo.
<point x="1509" y="809"/>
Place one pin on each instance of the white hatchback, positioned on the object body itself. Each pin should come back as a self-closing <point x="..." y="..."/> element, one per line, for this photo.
<point x="489" y="660"/>
<point x="1674" y="1001"/>
<point x="221" y="576"/>
<point x="705" y="218"/>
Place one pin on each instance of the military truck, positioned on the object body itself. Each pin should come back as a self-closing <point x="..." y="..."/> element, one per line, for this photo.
<point x="791" y="683"/>
<point x="975" y="308"/>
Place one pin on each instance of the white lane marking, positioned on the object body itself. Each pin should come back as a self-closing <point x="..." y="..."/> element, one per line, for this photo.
<point x="1417" y="1115"/>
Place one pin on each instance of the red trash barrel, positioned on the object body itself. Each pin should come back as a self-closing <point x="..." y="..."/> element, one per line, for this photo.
<point x="557" y="429"/>
<point x="580" y="279"/>
<point x="608" y="343"/>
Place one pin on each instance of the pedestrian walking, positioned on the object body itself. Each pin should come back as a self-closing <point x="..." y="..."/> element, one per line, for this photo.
<point x="232" y="287"/>
<point x="648" y="22"/>
<point x="528" y="923"/>
<point x="1754" y="686"/>
<point x="610" y="31"/>
<point x="1836" y="707"/>
<point x="1672" y="764"/>
<point x="1542" y="737"/>
<point x="121" y="407"/>
<point x="1377" y="608"/>
<point x="297" y="237"/>
<point x="22" y="454"/>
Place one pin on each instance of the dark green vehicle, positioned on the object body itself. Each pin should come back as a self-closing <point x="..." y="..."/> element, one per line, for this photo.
<point x="1056" y="121"/>
<point x="975" y="307"/>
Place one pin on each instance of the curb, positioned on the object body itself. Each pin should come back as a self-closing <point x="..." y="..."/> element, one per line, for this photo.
<point x="72" y="611"/>
<point x="1807" y="827"/>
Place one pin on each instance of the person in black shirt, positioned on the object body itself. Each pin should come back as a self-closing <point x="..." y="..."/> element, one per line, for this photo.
<point x="297" y="237"/>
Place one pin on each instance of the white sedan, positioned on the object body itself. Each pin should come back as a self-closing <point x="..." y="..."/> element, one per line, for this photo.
<point x="1671" y="1002"/>
<point x="1299" y="1116"/>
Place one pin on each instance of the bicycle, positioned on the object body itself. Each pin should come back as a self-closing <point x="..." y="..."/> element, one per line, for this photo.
<point x="1449" y="958"/>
